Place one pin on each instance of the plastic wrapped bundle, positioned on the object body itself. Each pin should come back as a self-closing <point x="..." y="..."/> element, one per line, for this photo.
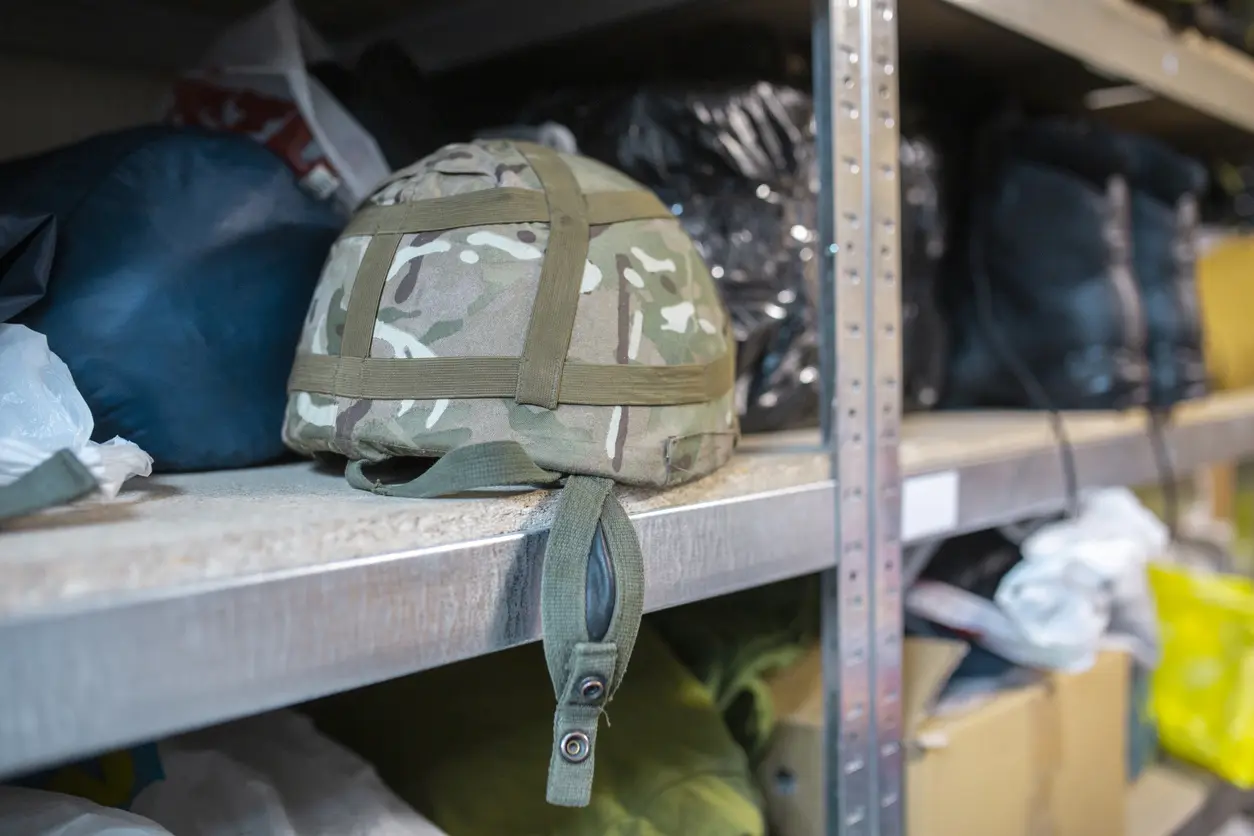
<point x="1050" y="316"/>
<point x="738" y="167"/>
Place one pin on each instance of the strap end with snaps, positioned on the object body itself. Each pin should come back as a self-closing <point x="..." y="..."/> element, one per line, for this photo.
<point x="575" y="723"/>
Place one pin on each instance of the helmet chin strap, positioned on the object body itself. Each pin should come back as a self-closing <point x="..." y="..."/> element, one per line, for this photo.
<point x="590" y="619"/>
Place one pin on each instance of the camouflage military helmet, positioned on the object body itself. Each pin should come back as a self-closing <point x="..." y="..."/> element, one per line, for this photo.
<point x="533" y="318"/>
<point x="610" y="358"/>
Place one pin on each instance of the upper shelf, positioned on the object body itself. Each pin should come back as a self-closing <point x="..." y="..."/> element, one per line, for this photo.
<point x="164" y="35"/>
<point x="1117" y="41"/>
<point x="201" y="598"/>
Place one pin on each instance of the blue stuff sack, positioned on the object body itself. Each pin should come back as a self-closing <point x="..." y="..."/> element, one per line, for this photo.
<point x="182" y="269"/>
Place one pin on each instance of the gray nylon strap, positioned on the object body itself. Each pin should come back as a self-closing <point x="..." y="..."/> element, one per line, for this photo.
<point x="59" y="479"/>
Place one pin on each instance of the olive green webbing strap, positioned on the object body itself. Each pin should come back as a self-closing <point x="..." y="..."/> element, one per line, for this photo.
<point x="429" y="378"/>
<point x="560" y="203"/>
<point x="490" y="206"/>
<point x="617" y="207"/>
<point x="492" y="464"/>
<point x="59" y="479"/>
<point x="585" y="670"/>
<point x="363" y="299"/>
<point x="557" y="297"/>
<point x="506" y="205"/>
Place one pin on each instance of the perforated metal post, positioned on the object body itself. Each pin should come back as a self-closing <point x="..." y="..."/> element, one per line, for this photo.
<point x="855" y="74"/>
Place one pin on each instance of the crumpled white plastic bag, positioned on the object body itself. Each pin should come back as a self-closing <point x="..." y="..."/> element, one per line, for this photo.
<point x="26" y="812"/>
<point x="1011" y="637"/>
<point x="1081" y="584"/>
<point x="272" y="775"/>
<point x="42" y="411"/>
<point x="1084" y="578"/>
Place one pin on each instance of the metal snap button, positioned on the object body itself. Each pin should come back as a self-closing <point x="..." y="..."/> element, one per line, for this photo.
<point x="575" y="747"/>
<point x="592" y="688"/>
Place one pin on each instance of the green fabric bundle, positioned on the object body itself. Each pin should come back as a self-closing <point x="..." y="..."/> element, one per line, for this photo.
<point x="468" y="745"/>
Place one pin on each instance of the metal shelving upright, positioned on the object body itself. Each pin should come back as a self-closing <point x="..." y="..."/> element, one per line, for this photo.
<point x="855" y="92"/>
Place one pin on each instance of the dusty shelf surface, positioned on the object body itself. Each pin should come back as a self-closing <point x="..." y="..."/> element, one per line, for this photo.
<point x="934" y="441"/>
<point x="1119" y="40"/>
<point x="171" y="531"/>
<point x="199" y="598"/>
<point x="1002" y="466"/>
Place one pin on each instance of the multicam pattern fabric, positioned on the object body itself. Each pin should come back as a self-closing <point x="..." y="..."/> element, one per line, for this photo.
<point x="646" y="298"/>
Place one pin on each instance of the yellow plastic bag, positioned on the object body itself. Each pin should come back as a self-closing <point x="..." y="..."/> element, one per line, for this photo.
<point x="1203" y="690"/>
<point x="1224" y="268"/>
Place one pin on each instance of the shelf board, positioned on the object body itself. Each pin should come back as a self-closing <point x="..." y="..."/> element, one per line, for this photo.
<point x="195" y="599"/>
<point x="1164" y="800"/>
<point x="205" y="597"/>
<point x="1007" y="465"/>
<point x="1174" y="799"/>
<point x="1122" y="40"/>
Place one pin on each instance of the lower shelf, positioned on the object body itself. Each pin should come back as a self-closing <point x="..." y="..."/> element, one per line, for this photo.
<point x="200" y="598"/>
<point x="1171" y="800"/>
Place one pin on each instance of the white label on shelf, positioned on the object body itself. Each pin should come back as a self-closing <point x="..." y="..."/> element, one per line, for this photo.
<point x="929" y="505"/>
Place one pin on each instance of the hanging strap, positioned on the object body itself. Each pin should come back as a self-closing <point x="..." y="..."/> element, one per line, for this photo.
<point x="591" y="592"/>
<point x="586" y="668"/>
<point x="57" y="480"/>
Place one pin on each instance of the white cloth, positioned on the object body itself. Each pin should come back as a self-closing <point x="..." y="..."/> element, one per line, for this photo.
<point x="42" y="411"/>
<point x="272" y="775"/>
<point x="25" y="812"/>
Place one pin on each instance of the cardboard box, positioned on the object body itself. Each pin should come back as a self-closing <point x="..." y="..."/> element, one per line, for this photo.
<point x="1045" y="760"/>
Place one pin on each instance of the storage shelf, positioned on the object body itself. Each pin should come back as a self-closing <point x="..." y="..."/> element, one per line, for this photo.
<point x="212" y="596"/>
<point x="1007" y="466"/>
<point x="201" y="598"/>
<point x="1128" y="41"/>
<point x="206" y="597"/>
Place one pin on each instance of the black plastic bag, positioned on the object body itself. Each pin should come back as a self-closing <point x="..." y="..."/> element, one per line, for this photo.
<point x="1167" y="189"/>
<point x="739" y="167"/>
<point x="392" y="99"/>
<point x="1045" y="310"/>
<point x="1079" y="290"/>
